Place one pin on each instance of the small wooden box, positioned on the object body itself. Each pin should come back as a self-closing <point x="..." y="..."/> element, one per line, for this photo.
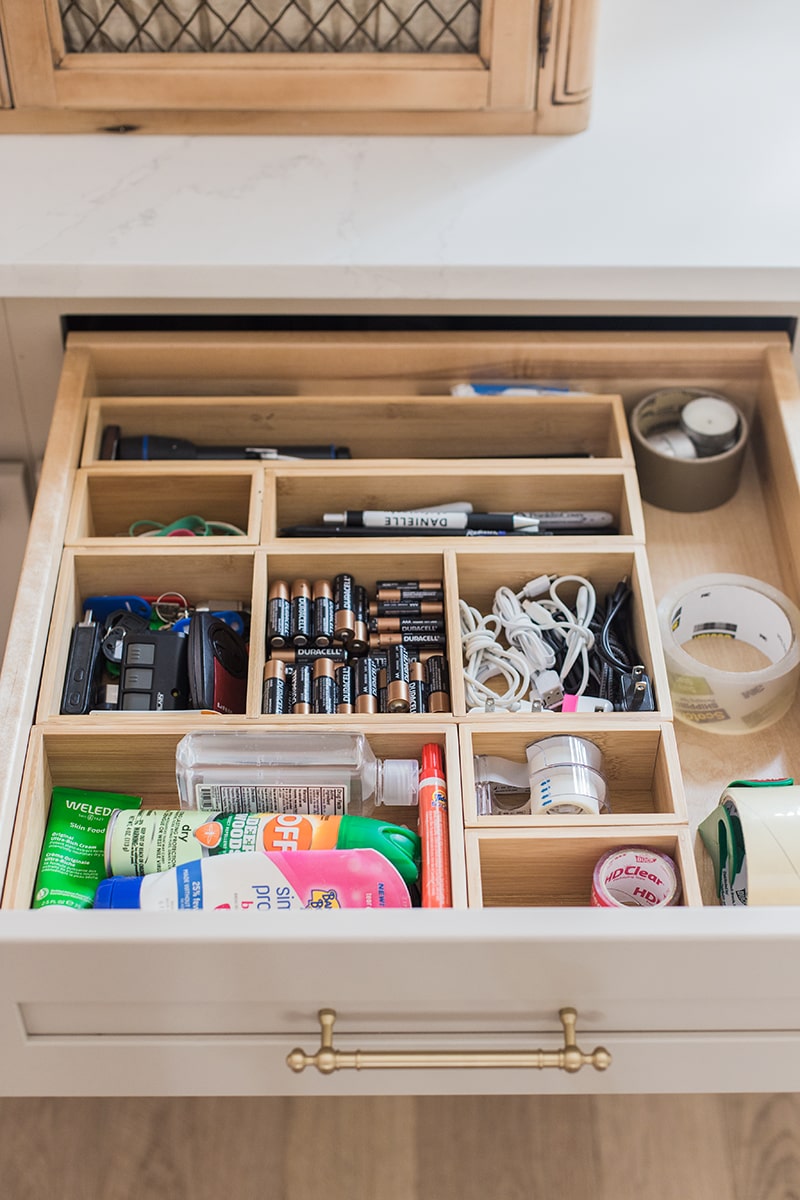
<point x="106" y="502"/>
<point x="543" y="868"/>
<point x="640" y="764"/>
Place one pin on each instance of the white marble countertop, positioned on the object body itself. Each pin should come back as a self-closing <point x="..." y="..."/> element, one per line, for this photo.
<point x="685" y="186"/>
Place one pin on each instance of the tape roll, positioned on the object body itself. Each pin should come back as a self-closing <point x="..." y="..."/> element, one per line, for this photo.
<point x="694" y="479"/>
<point x="563" y="775"/>
<point x="753" y="838"/>
<point x="635" y="877"/>
<point x="745" y="610"/>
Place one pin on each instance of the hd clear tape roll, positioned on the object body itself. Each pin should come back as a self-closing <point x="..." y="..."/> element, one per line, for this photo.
<point x="753" y="838"/>
<point x="563" y="776"/>
<point x="635" y="877"/>
<point x="741" y="609"/>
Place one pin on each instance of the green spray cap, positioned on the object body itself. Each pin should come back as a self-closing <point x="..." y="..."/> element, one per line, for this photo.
<point x="401" y="846"/>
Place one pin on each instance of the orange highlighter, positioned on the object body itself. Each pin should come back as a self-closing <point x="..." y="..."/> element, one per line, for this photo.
<point x="436" y="892"/>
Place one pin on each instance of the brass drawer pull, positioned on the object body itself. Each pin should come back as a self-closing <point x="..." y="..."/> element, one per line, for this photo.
<point x="327" y="1059"/>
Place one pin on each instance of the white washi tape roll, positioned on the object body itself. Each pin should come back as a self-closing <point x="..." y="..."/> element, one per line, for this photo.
<point x="760" y="862"/>
<point x="745" y="610"/>
<point x="635" y="877"/>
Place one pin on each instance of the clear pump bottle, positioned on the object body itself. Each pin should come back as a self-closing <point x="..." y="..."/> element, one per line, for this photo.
<point x="262" y="770"/>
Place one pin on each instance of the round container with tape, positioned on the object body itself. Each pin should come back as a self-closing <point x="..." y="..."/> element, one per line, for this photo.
<point x="635" y="877"/>
<point x="741" y="609"/>
<point x="689" y="448"/>
<point x="754" y="840"/>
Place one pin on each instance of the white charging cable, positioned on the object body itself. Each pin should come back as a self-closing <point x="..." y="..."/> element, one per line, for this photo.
<point x="486" y="658"/>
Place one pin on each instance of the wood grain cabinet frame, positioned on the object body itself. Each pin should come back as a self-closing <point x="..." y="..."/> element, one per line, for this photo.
<point x="526" y="68"/>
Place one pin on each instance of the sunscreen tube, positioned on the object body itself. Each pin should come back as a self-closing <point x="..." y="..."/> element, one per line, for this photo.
<point x="264" y="883"/>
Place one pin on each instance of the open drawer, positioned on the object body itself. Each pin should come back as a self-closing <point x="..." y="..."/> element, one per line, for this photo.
<point x="689" y="998"/>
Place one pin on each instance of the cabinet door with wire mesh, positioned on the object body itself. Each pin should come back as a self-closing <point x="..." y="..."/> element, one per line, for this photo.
<point x="299" y="65"/>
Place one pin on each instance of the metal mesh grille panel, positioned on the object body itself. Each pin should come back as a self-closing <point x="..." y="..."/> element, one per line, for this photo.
<point x="247" y="26"/>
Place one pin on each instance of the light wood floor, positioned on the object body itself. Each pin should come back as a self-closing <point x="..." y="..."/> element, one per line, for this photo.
<point x="464" y="1148"/>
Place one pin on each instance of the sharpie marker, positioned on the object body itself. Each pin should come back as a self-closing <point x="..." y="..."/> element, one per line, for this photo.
<point x="410" y="531"/>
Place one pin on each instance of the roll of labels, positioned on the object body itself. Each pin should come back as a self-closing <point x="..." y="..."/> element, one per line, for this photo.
<point x="753" y="840"/>
<point x="737" y="608"/>
<point x="689" y="447"/>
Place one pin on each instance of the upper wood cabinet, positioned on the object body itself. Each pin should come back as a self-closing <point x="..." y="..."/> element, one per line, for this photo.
<point x="297" y="66"/>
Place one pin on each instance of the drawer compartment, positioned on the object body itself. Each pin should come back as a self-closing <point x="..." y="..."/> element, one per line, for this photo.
<point x="481" y="571"/>
<point x="301" y="498"/>
<point x="378" y="427"/>
<point x="153" y="572"/>
<point x="142" y="763"/>
<point x="546" y="868"/>
<point x="108" y="501"/>
<point x="639" y="763"/>
<point x="313" y="561"/>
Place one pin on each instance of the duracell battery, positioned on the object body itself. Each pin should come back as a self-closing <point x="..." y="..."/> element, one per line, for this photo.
<point x="279" y="614"/>
<point x="438" y="676"/>
<point x="301" y="698"/>
<point x="417" y="595"/>
<point x="309" y="654"/>
<point x="322" y="597"/>
<point x="398" y="693"/>
<point x="301" y="612"/>
<point x="345" y="688"/>
<point x="366" y="684"/>
<point x="359" y="643"/>
<point x="344" y="612"/>
<point x="426" y="585"/>
<point x="382" y="690"/>
<point x="382" y="641"/>
<point x="405" y="608"/>
<point x="417" y="687"/>
<point x="406" y="624"/>
<point x="274" y="698"/>
<point x="324" y="686"/>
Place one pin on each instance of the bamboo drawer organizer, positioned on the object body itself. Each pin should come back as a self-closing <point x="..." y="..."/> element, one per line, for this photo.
<point x="388" y="400"/>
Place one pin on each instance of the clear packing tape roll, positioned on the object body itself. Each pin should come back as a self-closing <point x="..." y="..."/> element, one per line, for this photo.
<point x="753" y="839"/>
<point x="741" y="609"/>
<point x="562" y="775"/>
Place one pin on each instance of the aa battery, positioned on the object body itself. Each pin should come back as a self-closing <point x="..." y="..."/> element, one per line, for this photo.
<point x="344" y="614"/>
<point x="274" y="697"/>
<point x="359" y="643"/>
<point x="345" y="689"/>
<point x="425" y="585"/>
<point x="309" y="654"/>
<point x="279" y="614"/>
<point x="366" y="684"/>
<point x="302" y="613"/>
<point x="406" y="625"/>
<point x="382" y="641"/>
<point x="438" y="676"/>
<point x="417" y="687"/>
<point x="398" y="694"/>
<point x="302" y="689"/>
<point x="382" y="690"/>
<point x="405" y="608"/>
<point x="322" y="597"/>
<point x="417" y="595"/>
<point x="324" y="686"/>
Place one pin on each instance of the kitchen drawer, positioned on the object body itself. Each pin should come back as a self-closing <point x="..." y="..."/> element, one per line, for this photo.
<point x="693" y="998"/>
